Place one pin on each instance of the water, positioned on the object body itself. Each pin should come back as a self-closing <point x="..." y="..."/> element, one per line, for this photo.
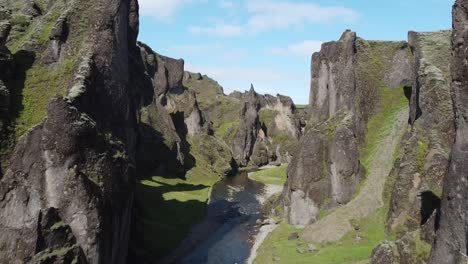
<point x="226" y="234"/>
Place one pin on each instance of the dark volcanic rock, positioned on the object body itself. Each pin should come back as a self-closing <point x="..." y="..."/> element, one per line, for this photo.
<point x="347" y="76"/>
<point x="425" y="159"/>
<point x="80" y="160"/>
<point x="451" y="240"/>
<point x="308" y="185"/>
<point x="268" y="129"/>
<point x="247" y="132"/>
<point x="56" y="242"/>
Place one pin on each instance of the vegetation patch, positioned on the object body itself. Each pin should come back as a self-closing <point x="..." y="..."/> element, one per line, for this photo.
<point x="40" y="85"/>
<point x="227" y="130"/>
<point x="274" y="176"/>
<point x="168" y="207"/>
<point x="355" y="247"/>
<point x="380" y="124"/>
<point x="47" y="254"/>
<point x="267" y="116"/>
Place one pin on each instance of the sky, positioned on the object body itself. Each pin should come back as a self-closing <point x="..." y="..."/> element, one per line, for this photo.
<point x="269" y="43"/>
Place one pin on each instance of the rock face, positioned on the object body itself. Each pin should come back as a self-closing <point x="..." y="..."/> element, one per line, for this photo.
<point x="6" y="70"/>
<point x="97" y="112"/>
<point x="67" y="193"/>
<point x="260" y="129"/>
<point x="423" y="165"/>
<point x="268" y="129"/>
<point x="451" y="241"/>
<point x="346" y="92"/>
<point x="246" y="136"/>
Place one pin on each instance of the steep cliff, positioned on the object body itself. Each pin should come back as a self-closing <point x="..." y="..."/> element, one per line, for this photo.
<point x="357" y="86"/>
<point x="451" y="240"/>
<point x="260" y="129"/>
<point x="70" y="172"/>
<point x="88" y="113"/>
<point x="425" y="151"/>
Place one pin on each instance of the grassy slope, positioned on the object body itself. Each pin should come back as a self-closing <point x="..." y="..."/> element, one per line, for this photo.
<point x="223" y="111"/>
<point x="180" y="204"/>
<point x="371" y="228"/>
<point x="348" y="251"/>
<point x="41" y="84"/>
<point x="36" y="84"/>
<point x="274" y="176"/>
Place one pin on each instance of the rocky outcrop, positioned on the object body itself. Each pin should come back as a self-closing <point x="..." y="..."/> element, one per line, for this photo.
<point x="425" y="157"/>
<point x="249" y="126"/>
<point x="352" y="82"/>
<point x="79" y="162"/>
<point x="268" y="130"/>
<point x="260" y="129"/>
<point x="451" y="240"/>
<point x="6" y="70"/>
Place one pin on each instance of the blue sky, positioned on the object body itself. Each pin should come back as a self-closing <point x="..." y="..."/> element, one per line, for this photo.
<point x="269" y="42"/>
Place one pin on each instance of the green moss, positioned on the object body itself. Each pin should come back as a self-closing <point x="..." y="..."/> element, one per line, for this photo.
<point x="227" y="130"/>
<point x="222" y="110"/>
<point x="53" y="253"/>
<point x="20" y="20"/>
<point x="48" y="25"/>
<point x="274" y="176"/>
<point x="380" y="124"/>
<point x="267" y="116"/>
<point x="422" y="248"/>
<point x="41" y="84"/>
<point x="36" y="31"/>
<point x="57" y="225"/>
<point x="120" y="154"/>
<point x="348" y="250"/>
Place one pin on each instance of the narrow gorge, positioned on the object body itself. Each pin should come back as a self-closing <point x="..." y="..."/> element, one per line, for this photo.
<point x="113" y="153"/>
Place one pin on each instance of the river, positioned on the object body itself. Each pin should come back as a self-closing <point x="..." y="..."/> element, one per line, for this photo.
<point x="227" y="233"/>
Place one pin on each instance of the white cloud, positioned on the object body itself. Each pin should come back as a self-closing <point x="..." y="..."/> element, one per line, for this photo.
<point x="163" y="9"/>
<point x="219" y="30"/>
<point x="269" y="15"/>
<point x="301" y="49"/>
<point x="243" y="74"/>
<point x="226" y="4"/>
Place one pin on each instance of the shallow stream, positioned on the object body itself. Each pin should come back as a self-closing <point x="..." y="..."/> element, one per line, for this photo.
<point x="225" y="236"/>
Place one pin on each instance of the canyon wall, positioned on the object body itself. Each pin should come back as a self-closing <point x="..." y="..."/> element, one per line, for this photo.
<point x="86" y="112"/>
<point x="451" y="240"/>
<point x="351" y="82"/>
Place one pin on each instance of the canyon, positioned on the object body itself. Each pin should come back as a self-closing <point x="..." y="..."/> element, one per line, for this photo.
<point x="113" y="153"/>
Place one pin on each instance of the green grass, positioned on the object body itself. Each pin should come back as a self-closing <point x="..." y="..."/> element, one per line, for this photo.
<point x="301" y="107"/>
<point x="36" y="31"/>
<point x="267" y="116"/>
<point x="167" y="208"/>
<point x="41" y="84"/>
<point x="346" y="251"/>
<point x="170" y="207"/>
<point x="222" y="110"/>
<point x="381" y="123"/>
<point x="274" y="176"/>
<point x="227" y="130"/>
<point x="371" y="229"/>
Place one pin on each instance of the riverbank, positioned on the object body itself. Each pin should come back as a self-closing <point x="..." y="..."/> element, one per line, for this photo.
<point x="268" y="225"/>
<point x="273" y="178"/>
